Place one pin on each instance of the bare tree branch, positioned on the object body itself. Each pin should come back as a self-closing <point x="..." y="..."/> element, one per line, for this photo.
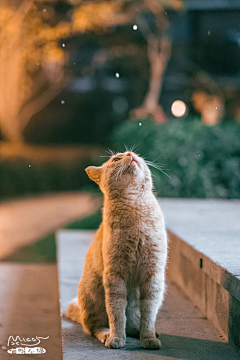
<point x="38" y="104"/>
<point x="38" y="83"/>
<point x="22" y="11"/>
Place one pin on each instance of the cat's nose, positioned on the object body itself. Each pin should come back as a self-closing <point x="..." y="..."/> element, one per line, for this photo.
<point x="129" y="153"/>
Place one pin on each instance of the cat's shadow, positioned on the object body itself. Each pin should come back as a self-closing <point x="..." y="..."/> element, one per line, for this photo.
<point x="173" y="347"/>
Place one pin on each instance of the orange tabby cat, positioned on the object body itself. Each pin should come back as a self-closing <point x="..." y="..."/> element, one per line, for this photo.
<point x="123" y="280"/>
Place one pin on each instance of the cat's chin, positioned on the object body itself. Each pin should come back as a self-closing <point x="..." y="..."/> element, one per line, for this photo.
<point x="133" y="168"/>
<point x="135" y="165"/>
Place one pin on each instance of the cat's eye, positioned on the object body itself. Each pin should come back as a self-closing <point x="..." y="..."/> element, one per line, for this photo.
<point x="116" y="159"/>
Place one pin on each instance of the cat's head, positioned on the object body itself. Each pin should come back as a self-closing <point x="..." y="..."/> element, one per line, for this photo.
<point x="122" y="172"/>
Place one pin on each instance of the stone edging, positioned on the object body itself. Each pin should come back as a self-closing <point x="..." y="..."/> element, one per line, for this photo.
<point x="212" y="289"/>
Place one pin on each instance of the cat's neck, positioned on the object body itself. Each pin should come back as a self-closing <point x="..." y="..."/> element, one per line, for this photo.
<point x="133" y="196"/>
<point x="125" y="210"/>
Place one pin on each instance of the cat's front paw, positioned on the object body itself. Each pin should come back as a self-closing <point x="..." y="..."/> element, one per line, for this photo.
<point x="151" y="343"/>
<point x="115" y="342"/>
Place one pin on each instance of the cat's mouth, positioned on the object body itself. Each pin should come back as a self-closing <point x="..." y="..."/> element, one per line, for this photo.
<point x="132" y="163"/>
<point x="135" y="161"/>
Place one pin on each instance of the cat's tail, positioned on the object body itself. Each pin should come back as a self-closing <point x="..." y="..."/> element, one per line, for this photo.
<point x="73" y="311"/>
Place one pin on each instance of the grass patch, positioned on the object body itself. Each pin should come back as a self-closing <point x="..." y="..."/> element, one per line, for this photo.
<point x="90" y="222"/>
<point x="41" y="251"/>
<point x="44" y="250"/>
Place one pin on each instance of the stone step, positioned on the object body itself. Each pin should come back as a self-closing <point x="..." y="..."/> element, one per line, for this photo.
<point x="204" y="258"/>
<point x="29" y="307"/>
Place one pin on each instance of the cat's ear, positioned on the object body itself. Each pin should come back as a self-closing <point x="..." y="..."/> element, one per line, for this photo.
<point x="94" y="172"/>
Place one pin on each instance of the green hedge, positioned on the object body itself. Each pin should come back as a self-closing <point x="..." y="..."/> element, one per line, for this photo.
<point x="203" y="161"/>
<point x="18" y="179"/>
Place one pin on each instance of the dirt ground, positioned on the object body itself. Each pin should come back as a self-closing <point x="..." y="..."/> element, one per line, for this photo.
<point x="23" y="221"/>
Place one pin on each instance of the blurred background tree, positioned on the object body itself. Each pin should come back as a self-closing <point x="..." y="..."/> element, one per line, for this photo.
<point x="102" y="15"/>
<point x="32" y="63"/>
<point x="71" y="71"/>
<point x="159" y="52"/>
<point x="32" y="59"/>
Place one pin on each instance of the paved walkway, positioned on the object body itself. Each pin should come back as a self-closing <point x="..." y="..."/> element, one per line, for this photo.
<point x="185" y="334"/>
<point x="29" y="297"/>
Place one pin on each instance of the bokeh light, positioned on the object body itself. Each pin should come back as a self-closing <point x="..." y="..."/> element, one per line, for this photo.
<point x="178" y="108"/>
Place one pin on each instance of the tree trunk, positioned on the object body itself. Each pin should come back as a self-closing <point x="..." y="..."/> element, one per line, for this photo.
<point x="159" y="51"/>
<point x="22" y="95"/>
<point x="10" y="131"/>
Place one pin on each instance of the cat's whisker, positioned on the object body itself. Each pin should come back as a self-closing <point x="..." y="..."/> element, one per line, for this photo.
<point x="135" y="147"/>
<point x="118" y="174"/>
<point x="116" y="171"/>
<point x="131" y="148"/>
<point x="110" y="152"/>
<point x="157" y="158"/>
<point x="116" y="177"/>
<point x="153" y="161"/>
<point x="149" y="163"/>
<point x="166" y="174"/>
<point x="154" y="165"/>
<point x="121" y="170"/>
<point x="126" y="147"/>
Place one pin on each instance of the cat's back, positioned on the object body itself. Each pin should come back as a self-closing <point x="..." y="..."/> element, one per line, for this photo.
<point x="94" y="258"/>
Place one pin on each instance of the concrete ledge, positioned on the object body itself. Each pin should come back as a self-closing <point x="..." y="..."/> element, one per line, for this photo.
<point x="213" y="288"/>
<point x="29" y="305"/>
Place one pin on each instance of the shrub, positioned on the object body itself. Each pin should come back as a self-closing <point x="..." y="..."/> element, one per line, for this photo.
<point x="203" y="161"/>
<point x="18" y="179"/>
